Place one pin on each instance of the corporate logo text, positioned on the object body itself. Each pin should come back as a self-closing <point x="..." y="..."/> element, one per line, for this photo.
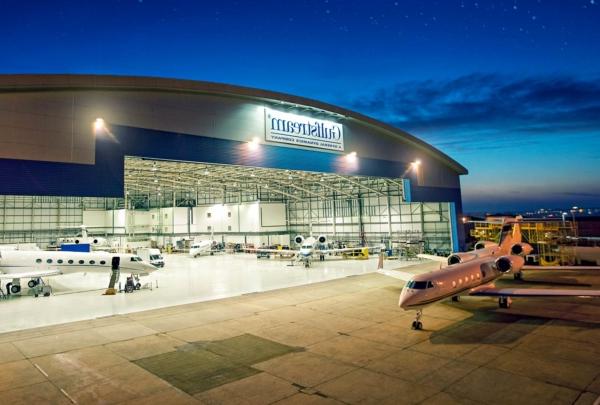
<point x="303" y="131"/>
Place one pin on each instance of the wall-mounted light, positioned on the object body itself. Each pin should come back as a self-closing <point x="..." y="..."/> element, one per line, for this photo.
<point x="254" y="143"/>
<point x="415" y="165"/>
<point x="351" y="157"/>
<point x="99" y="125"/>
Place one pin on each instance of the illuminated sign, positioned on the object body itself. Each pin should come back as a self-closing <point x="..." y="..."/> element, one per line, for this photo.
<point x="303" y="131"/>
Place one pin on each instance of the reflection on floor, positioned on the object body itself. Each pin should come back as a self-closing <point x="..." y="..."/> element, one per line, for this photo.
<point x="183" y="280"/>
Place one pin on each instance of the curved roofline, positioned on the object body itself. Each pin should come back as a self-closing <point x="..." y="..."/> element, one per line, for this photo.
<point x="45" y="82"/>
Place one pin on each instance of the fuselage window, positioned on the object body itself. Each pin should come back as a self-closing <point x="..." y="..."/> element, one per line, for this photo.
<point x="81" y="262"/>
<point x="102" y="262"/>
<point x="59" y="261"/>
<point x="453" y="283"/>
<point x="472" y="277"/>
<point x="92" y="262"/>
<point x="38" y="260"/>
<point x="478" y="276"/>
<point x="70" y="261"/>
<point x="459" y="281"/>
<point x="49" y="261"/>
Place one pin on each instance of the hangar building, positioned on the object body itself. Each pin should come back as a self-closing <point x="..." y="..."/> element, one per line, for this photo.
<point x="140" y="157"/>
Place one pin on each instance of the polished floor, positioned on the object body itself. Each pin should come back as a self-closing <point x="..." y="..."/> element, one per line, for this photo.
<point x="342" y="341"/>
<point x="183" y="280"/>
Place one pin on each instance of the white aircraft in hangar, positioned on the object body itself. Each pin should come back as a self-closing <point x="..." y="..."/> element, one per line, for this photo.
<point x="309" y="248"/>
<point x="200" y="248"/>
<point x="84" y="237"/>
<point x="34" y="265"/>
<point x="474" y="273"/>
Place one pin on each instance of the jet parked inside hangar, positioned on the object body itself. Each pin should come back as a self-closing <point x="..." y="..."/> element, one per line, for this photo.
<point x="309" y="248"/>
<point x="34" y="265"/>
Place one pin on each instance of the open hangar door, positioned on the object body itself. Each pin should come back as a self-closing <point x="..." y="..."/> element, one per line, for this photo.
<point x="169" y="200"/>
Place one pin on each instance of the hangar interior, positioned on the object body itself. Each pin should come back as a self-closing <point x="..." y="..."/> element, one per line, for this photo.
<point x="169" y="200"/>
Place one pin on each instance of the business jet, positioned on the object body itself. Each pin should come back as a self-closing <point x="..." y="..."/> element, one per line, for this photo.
<point x="34" y="265"/>
<point x="83" y="237"/>
<point x="202" y="247"/>
<point x="309" y="248"/>
<point x="475" y="276"/>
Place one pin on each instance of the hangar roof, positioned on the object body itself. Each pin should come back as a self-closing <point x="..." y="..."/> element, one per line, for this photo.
<point x="46" y="82"/>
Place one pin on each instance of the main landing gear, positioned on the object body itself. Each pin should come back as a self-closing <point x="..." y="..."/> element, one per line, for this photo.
<point x="455" y="298"/>
<point x="417" y="324"/>
<point x="504" y="302"/>
<point x="13" y="288"/>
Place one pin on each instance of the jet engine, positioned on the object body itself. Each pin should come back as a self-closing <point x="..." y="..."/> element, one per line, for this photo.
<point x="299" y="239"/>
<point x="322" y="239"/>
<point x="506" y="264"/>
<point x="521" y="249"/>
<point x="456" y="258"/>
<point x="483" y="244"/>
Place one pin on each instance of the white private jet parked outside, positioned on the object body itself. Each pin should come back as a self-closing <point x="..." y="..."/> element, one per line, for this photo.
<point x="310" y="247"/>
<point x="475" y="275"/>
<point x="34" y="265"/>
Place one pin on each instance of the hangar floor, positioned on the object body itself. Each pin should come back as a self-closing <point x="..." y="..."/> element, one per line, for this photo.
<point x="339" y="341"/>
<point x="183" y="280"/>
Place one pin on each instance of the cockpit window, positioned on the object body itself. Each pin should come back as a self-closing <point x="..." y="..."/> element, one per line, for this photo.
<point x="419" y="285"/>
<point x="306" y="247"/>
<point x="136" y="259"/>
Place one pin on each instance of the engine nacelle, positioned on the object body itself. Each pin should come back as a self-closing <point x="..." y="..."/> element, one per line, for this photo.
<point x="456" y="258"/>
<point x="483" y="244"/>
<point x="299" y="239"/>
<point x="521" y="249"/>
<point x="509" y="264"/>
<point x="322" y="239"/>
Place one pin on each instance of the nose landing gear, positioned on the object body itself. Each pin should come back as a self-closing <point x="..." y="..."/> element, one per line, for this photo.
<point x="417" y="324"/>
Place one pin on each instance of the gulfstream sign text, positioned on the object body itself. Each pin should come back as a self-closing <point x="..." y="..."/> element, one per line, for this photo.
<point x="303" y="131"/>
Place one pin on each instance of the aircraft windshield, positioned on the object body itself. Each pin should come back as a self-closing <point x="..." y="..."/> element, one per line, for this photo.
<point x="155" y="257"/>
<point x="306" y="247"/>
<point x="419" y="285"/>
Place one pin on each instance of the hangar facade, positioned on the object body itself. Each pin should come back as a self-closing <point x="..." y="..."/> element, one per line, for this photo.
<point x="138" y="157"/>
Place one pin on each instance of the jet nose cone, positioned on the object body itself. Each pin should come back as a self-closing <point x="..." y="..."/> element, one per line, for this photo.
<point x="403" y="298"/>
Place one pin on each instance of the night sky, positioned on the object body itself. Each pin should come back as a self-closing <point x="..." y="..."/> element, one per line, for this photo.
<point x="510" y="89"/>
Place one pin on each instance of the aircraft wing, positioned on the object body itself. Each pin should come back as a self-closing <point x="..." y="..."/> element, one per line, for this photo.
<point x="532" y="292"/>
<point x="583" y="268"/>
<point x="401" y="275"/>
<point x="31" y="274"/>
<point x="435" y="258"/>
<point x="342" y="250"/>
<point x="283" y="251"/>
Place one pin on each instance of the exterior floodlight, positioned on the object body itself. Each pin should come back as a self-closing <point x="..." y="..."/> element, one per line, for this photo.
<point x="253" y="144"/>
<point x="99" y="125"/>
<point x="415" y="165"/>
<point x="351" y="157"/>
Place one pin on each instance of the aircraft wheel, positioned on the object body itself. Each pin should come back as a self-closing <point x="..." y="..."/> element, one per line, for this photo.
<point x="455" y="298"/>
<point x="15" y="289"/>
<point x="46" y="294"/>
<point x="8" y="287"/>
<point x="138" y="286"/>
<point x="32" y="283"/>
<point x="504" y="302"/>
<point x="417" y="325"/>
<point x="518" y="276"/>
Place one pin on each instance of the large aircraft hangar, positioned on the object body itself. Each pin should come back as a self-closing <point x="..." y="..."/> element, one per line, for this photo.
<point x="151" y="157"/>
<point x="156" y="162"/>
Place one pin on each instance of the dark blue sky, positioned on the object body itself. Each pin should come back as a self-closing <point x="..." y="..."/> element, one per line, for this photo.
<point x="511" y="89"/>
